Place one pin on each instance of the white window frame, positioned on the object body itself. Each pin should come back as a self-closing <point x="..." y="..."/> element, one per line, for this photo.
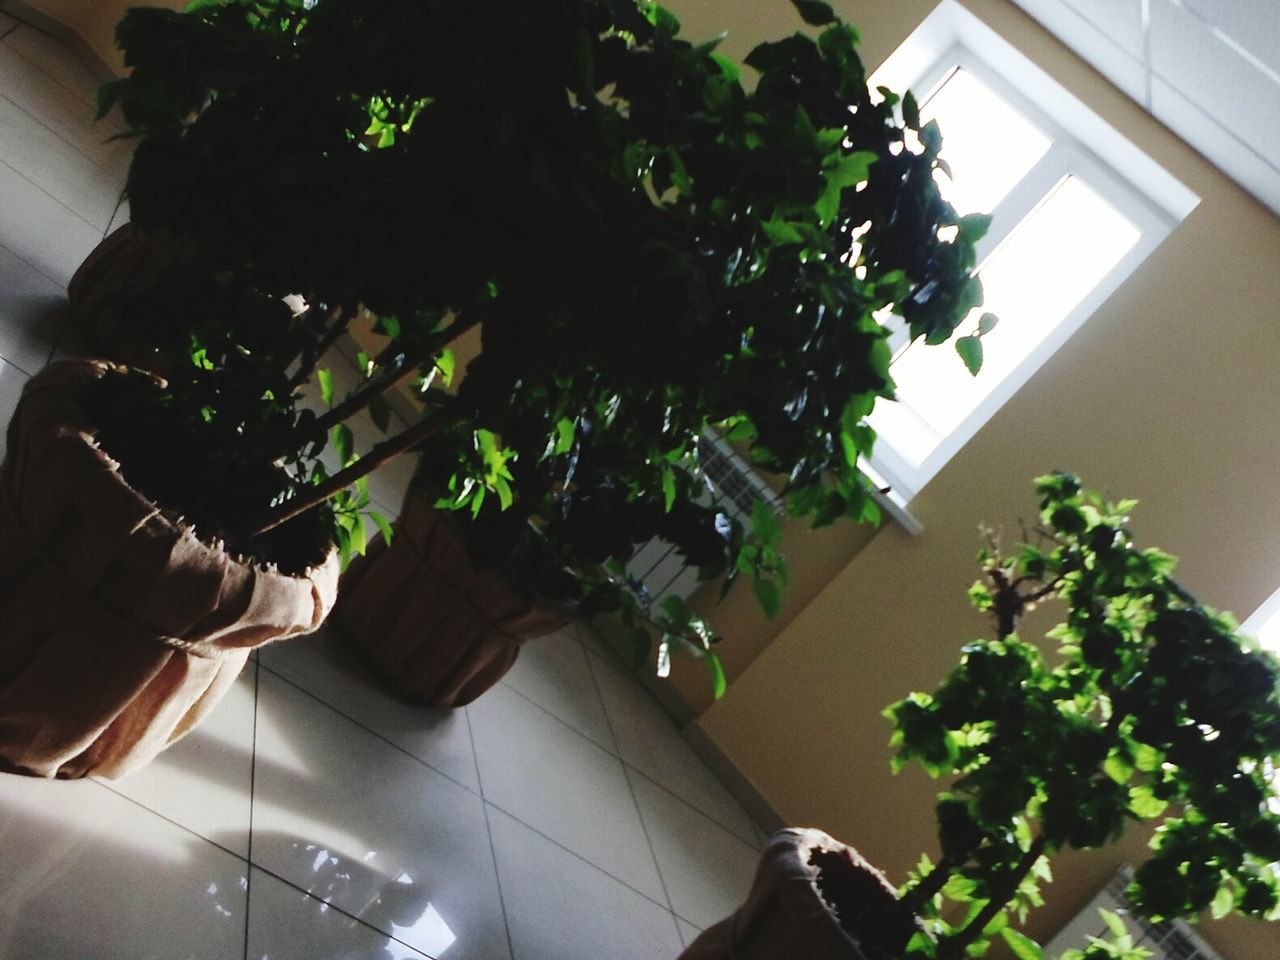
<point x="1131" y="182"/>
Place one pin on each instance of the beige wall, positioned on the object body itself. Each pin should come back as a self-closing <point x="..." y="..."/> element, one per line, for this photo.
<point x="93" y="21"/>
<point x="1166" y="394"/>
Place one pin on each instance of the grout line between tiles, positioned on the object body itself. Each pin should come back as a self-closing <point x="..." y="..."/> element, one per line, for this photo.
<point x="337" y="909"/>
<point x="35" y="63"/>
<point x="573" y="853"/>
<point x="253" y="775"/>
<point x="698" y="811"/>
<point x="518" y="819"/>
<point x="96" y="161"/>
<point x="648" y="839"/>
<point x="488" y="829"/>
<point x="173" y="823"/>
<point x="114" y="210"/>
<point x="58" y="284"/>
<point x="635" y="800"/>
<point x="369" y="730"/>
<point x="16" y="25"/>
<point x="612" y="751"/>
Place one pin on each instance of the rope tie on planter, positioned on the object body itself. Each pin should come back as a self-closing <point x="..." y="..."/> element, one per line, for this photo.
<point x="192" y="647"/>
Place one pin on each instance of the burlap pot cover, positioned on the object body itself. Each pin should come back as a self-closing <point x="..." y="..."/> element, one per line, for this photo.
<point x="437" y="630"/>
<point x="786" y="918"/>
<point x="119" y="629"/>
<point x="117" y="270"/>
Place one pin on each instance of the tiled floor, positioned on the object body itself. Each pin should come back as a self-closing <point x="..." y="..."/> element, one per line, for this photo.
<point x="561" y="816"/>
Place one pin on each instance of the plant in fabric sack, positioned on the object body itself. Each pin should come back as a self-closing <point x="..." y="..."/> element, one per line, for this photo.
<point x="1151" y="712"/>
<point x="647" y="248"/>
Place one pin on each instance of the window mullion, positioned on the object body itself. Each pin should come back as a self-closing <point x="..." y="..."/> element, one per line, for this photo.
<point x="1022" y="200"/>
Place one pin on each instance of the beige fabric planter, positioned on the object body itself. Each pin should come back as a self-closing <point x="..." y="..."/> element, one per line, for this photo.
<point x="119" y="629"/>
<point x="786" y="918"/>
<point x="436" y="629"/>
<point x="116" y="272"/>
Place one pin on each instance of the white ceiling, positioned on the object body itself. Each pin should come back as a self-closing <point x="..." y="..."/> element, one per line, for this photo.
<point x="1207" y="69"/>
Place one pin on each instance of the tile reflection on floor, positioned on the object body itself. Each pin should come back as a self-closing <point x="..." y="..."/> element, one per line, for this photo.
<point x="313" y="816"/>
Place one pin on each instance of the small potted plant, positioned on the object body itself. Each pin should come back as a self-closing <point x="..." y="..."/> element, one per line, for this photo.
<point x="647" y="249"/>
<point x="1151" y="712"/>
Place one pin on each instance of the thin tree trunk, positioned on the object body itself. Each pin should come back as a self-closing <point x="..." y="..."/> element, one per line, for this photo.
<point x="953" y="947"/>
<point x="363" y="396"/>
<point x="336" y="330"/>
<point x="383" y="453"/>
<point x="930" y="884"/>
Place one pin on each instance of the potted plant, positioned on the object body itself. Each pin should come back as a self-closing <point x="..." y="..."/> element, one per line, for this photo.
<point x="646" y="247"/>
<point x="1152" y="711"/>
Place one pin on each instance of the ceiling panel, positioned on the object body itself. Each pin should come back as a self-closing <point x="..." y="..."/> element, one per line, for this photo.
<point x="1213" y="76"/>
<point x="1208" y="69"/>
<point x="1119" y="20"/>
<point x="1254" y="24"/>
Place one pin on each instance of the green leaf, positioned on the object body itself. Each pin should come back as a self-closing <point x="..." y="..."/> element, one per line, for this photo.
<point x="1114" y="923"/>
<point x="359" y="537"/>
<point x="383" y="525"/>
<point x="1144" y="803"/>
<point x="727" y="67"/>
<point x="668" y="489"/>
<point x="325" y="379"/>
<point x="1023" y="947"/>
<point x="564" y="435"/>
<point x="716" y="670"/>
<point x="380" y="412"/>
<point x="781" y="232"/>
<point x="986" y="323"/>
<point x="662" y="18"/>
<point x="848" y="171"/>
<point x="764" y="523"/>
<point x="970" y="350"/>
<point x="676" y="609"/>
<point x="769" y="596"/>
<point x="910" y="111"/>
<point x="1223" y="903"/>
<point x="390" y="326"/>
<point x="446" y="363"/>
<point x="815" y="12"/>
<point x="343" y="442"/>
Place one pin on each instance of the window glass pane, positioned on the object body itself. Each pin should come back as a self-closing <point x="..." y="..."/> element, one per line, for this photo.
<point x="988" y="145"/>
<point x="1032" y="282"/>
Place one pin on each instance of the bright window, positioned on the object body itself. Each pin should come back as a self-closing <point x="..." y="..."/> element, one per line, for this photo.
<point x="1067" y="228"/>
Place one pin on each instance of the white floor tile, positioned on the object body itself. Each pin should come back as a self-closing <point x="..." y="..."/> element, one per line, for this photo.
<point x="554" y="673"/>
<point x="202" y="782"/>
<point x="324" y="665"/>
<point x="353" y="821"/>
<point x="33" y="309"/>
<point x="560" y="908"/>
<point x="62" y="111"/>
<point x="12" y="380"/>
<point x="650" y="741"/>
<point x="688" y="932"/>
<point x="41" y="230"/>
<point x="57" y="61"/>
<point x="287" y="924"/>
<point x="57" y="167"/>
<point x="706" y="869"/>
<point x="86" y="873"/>
<point x="552" y="778"/>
